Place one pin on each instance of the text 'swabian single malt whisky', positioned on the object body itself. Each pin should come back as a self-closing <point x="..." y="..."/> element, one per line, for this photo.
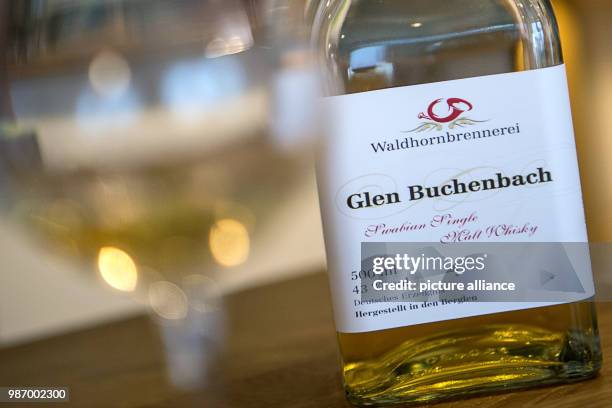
<point x="448" y="113"/>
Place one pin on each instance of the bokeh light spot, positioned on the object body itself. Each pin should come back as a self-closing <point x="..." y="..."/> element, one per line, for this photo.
<point x="168" y="300"/>
<point x="229" y="242"/>
<point x="117" y="269"/>
<point x="109" y="74"/>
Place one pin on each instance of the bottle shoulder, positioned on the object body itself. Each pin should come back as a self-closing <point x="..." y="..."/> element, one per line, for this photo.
<point x="373" y="44"/>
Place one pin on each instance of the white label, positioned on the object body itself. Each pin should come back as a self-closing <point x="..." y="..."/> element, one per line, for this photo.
<point x="388" y="146"/>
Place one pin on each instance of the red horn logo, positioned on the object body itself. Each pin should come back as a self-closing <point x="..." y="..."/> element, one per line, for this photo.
<point x="456" y="107"/>
<point x="455" y="117"/>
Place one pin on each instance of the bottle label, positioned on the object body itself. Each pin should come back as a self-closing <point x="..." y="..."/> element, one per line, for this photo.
<point x="486" y="159"/>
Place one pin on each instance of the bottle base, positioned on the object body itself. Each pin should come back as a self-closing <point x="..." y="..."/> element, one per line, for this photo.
<point x="468" y="363"/>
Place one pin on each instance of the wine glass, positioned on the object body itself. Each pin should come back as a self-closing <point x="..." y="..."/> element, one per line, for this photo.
<point x="135" y="142"/>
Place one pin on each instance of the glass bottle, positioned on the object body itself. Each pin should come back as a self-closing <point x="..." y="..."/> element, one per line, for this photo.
<point x="371" y="45"/>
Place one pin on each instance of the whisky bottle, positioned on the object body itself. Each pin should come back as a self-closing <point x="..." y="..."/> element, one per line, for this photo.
<point x="421" y="93"/>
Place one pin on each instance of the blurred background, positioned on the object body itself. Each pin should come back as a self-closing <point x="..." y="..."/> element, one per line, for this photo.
<point x="175" y="136"/>
<point x="176" y="139"/>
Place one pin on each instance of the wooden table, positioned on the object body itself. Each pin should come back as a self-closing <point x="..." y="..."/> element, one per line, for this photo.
<point x="280" y="352"/>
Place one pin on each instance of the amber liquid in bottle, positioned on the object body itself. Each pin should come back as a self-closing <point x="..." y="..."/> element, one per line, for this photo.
<point x="423" y="41"/>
